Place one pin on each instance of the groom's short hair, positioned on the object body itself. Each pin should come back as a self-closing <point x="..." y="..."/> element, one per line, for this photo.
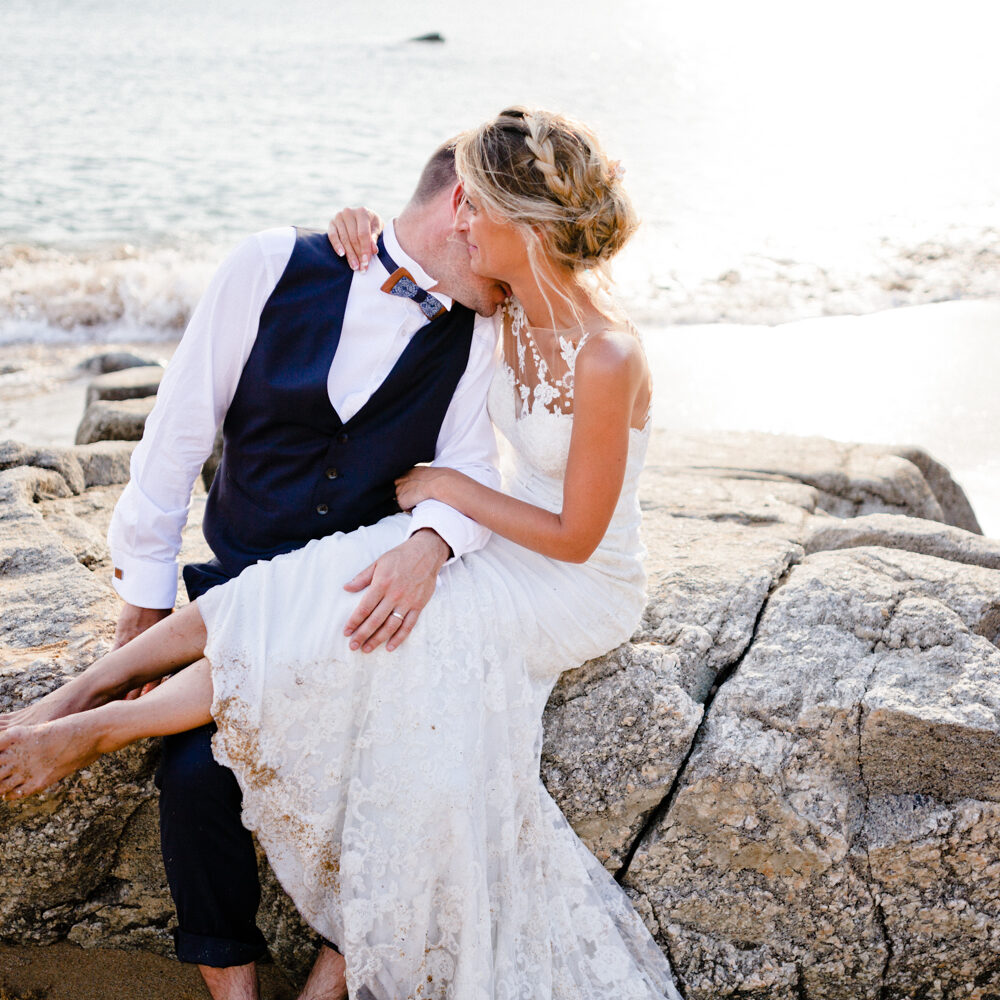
<point x="438" y="173"/>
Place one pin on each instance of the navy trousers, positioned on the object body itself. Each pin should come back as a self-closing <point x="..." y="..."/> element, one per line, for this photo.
<point x="208" y="854"/>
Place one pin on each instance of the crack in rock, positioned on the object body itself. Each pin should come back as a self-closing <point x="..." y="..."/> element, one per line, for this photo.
<point x="874" y="888"/>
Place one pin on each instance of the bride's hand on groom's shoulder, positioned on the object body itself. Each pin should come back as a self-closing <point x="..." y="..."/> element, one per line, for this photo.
<point x="354" y="231"/>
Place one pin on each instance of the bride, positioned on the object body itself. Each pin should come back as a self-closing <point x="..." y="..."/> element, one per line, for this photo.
<point x="398" y="796"/>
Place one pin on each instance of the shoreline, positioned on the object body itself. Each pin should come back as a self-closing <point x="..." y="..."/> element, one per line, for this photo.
<point x="59" y="294"/>
<point x="921" y="375"/>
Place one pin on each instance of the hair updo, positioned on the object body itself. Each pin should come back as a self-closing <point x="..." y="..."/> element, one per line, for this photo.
<point x="548" y="174"/>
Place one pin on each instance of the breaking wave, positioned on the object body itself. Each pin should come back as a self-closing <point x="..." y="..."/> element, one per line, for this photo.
<point x="123" y="292"/>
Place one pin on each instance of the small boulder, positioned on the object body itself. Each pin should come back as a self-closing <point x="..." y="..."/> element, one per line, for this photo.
<point x="129" y="383"/>
<point x="114" y="420"/>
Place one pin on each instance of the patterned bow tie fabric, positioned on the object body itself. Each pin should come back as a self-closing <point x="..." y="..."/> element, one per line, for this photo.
<point x="401" y="283"/>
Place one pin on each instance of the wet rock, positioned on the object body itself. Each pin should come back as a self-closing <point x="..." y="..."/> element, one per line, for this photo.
<point x="129" y="383"/>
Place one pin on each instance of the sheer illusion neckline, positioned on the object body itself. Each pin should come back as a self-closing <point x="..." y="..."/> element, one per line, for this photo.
<point x="543" y="378"/>
<point x="543" y="382"/>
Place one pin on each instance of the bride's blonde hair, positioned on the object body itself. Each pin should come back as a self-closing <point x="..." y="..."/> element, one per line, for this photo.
<point x="548" y="174"/>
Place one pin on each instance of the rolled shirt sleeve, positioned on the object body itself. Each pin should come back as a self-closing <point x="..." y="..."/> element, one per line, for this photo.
<point x="199" y="384"/>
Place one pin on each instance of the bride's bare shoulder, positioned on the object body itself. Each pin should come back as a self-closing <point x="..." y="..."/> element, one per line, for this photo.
<point x="611" y="351"/>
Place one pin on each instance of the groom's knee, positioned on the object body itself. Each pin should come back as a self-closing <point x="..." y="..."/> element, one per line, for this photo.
<point x="189" y="778"/>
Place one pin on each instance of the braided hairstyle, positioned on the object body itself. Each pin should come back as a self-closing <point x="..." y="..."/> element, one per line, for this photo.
<point x="548" y="174"/>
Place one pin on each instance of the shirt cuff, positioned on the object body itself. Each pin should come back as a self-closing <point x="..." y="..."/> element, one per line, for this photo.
<point x="460" y="533"/>
<point x="145" y="584"/>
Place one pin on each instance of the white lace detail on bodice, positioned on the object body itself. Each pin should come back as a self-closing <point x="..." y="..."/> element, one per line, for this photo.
<point x="541" y="384"/>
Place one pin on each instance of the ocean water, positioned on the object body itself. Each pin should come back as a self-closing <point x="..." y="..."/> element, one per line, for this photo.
<point x="788" y="159"/>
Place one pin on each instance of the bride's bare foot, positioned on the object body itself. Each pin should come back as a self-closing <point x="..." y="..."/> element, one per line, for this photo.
<point x="327" y="980"/>
<point x="34" y="757"/>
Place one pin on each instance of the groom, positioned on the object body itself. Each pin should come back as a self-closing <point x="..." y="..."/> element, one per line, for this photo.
<point x="328" y="383"/>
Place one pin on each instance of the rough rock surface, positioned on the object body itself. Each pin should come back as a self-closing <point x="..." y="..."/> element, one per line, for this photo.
<point x="792" y="767"/>
<point x="129" y="383"/>
<point x="114" y="420"/>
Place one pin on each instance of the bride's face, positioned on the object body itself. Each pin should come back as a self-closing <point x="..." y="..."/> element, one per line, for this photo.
<point x="496" y="249"/>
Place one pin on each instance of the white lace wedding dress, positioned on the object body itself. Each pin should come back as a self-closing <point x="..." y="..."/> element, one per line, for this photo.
<point x="398" y="794"/>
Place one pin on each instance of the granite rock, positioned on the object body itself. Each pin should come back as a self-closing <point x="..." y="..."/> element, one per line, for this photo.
<point x="834" y="831"/>
<point x="792" y="766"/>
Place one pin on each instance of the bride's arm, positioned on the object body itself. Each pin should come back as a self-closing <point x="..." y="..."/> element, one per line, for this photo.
<point x="609" y="373"/>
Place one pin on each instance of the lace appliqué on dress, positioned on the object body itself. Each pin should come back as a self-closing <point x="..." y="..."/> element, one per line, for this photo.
<point x="540" y="382"/>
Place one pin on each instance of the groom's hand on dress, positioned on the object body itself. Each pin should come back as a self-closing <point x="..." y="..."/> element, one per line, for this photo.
<point x="397" y="587"/>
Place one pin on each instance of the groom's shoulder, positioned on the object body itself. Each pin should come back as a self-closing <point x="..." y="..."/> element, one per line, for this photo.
<point x="276" y="242"/>
<point x="262" y="255"/>
<point x="261" y="249"/>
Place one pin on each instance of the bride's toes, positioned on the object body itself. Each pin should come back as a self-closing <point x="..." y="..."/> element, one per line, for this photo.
<point x="9" y="719"/>
<point x="10" y="777"/>
<point x="34" y="757"/>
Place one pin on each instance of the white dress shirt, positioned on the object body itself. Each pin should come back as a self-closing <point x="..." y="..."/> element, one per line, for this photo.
<point x="201" y="380"/>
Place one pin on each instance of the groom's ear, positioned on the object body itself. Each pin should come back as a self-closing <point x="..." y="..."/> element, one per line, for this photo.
<point x="457" y="196"/>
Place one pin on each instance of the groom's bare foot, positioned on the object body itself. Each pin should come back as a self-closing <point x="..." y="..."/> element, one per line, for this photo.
<point x="236" y="982"/>
<point x="34" y="757"/>
<point x="327" y="980"/>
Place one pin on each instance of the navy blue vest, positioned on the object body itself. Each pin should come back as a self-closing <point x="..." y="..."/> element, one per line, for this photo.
<point x="291" y="469"/>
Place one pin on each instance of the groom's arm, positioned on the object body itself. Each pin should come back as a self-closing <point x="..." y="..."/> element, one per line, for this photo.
<point x="403" y="579"/>
<point x="145" y="532"/>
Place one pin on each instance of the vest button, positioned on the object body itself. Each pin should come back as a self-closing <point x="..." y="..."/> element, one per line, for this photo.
<point x="322" y="509"/>
<point x="332" y="473"/>
<point x="342" y="437"/>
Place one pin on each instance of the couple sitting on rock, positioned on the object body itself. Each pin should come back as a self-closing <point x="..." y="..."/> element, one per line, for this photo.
<point x="396" y="793"/>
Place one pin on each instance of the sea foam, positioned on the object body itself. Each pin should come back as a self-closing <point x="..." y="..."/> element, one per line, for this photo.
<point x="122" y="292"/>
<point x="50" y="295"/>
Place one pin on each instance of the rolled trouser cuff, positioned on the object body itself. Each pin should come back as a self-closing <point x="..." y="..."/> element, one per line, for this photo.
<point x="219" y="953"/>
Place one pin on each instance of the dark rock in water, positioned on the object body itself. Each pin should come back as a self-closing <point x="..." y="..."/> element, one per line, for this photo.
<point x="128" y="383"/>
<point x="10" y="369"/>
<point x="114" y="420"/>
<point x="115" y="361"/>
<point x="431" y="36"/>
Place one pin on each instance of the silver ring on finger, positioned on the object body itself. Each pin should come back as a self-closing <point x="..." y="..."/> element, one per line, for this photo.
<point x="397" y="615"/>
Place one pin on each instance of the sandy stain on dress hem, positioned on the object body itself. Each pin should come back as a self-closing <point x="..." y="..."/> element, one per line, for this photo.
<point x="239" y="746"/>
